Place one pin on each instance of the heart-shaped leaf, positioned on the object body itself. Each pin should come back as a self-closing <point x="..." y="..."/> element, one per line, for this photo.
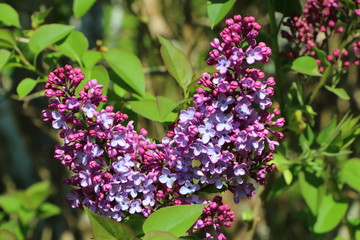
<point x="4" y="57"/>
<point x="329" y="214"/>
<point x="74" y="46"/>
<point x="109" y="229"/>
<point x="127" y="66"/>
<point x="217" y="10"/>
<point x="177" y="63"/>
<point x="47" y="35"/>
<point x="9" y="16"/>
<point x="175" y="219"/>
<point x="154" y="109"/>
<point x="25" y="87"/>
<point x="80" y="7"/>
<point x="306" y="65"/>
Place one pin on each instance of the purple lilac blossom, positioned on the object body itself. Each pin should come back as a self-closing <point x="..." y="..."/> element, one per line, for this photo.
<point x="224" y="140"/>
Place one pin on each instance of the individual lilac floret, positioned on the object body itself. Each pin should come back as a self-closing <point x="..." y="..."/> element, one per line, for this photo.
<point x="253" y="55"/>
<point x="167" y="177"/>
<point x="223" y="64"/>
<point x="207" y="132"/>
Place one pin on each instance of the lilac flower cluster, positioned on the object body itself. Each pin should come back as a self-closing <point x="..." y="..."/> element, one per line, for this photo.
<point x="229" y="134"/>
<point x="116" y="168"/>
<point x="227" y="137"/>
<point x="216" y="214"/>
<point x="317" y="23"/>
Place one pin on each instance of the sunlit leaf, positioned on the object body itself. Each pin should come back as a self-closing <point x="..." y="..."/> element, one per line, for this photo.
<point x="80" y="7"/>
<point x="327" y="134"/>
<point x="47" y="35"/>
<point x="157" y="235"/>
<point x="340" y="92"/>
<point x="350" y="173"/>
<point x="109" y="229"/>
<point x="288" y="176"/>
<point x="100" y="73"/>
<point x="175" y="219"/>
<point x="48" y="210"/>
<point x="177" y="63"/>
<point x="154" y="109"/>
<point x="10" y="204"/>
<point x="25" y="87"/>
<point x="7" y="39"/>
<point x="74" y="46"/>
<point x="4" y="57"/>
<point x="329" y="214"/>
<point x="218" y="9"/>
<point x="9" y="16"/>
<point x="127" y="66"/>
<point x="90" y="58"/>
<point x="6" y="234"/>
<point x="306" y="65"/>
<point x="37" y="193"/>
<point x="312" y="190"/>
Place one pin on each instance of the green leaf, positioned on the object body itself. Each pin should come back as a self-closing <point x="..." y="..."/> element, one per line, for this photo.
<point x="80" y="7"/>
<point x="10" y="204"/>
<point x="176" y="63"/>
<point x="25" y="87"/>
<point x="90" y="58"/>
<point x="37" y="193"/>
<point x="47" y="35"/>
<point x="306" y="65"/>
<point x="288" y="176"/>
<point x="175" y="219"/>
<point x="157" y="235"/>
<point x="217" y="10"/>
<point x="74" y="46"/>
<point x="312" y="190"/>
<point x="154" y="109"/>
<point x="288" y="8"/>
<point x="4" y="57"/>
<point x="350" y="173"/>
<point x="9" y="16"/>
<point x="109" y="229"/>
<point x="135" y="222"/>
<point x="247" y="215"/>
<point x="127" y="66"/>
<point x="327" y="134"/>
<point x="278" y="188"/>
<point x="100" y="73"/>
<point x="38" y="18"/>
<point x="321" y="55"/>
<point x="6" y="234"/>
<point x="47" y="210"/>
<point x="340" y="92"/>
<point x="329" y="215"/>
<point x="7" y="39"/>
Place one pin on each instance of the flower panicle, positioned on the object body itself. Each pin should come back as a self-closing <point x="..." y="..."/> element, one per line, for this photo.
<point x="227" y="137"/>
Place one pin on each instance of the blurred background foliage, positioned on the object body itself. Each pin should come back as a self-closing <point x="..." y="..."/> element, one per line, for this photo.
<point x="279" y="210"/>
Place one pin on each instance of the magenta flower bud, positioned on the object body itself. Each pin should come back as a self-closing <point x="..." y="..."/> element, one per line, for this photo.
<point x="237" y="18"/>
<point x="346" y="64"/>
<point x="336" y="52"/>
<point x="229" y="21"/>
<point x="68" y="67"/>
<point x="330" y="58"/>
<point x="339" y="30"/>
<point x="109" y="109"/>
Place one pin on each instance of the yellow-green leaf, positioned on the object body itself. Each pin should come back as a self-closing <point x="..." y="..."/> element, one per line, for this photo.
<point x="47" y="35"/>
<point x="25" y="87"/>
<point x="9" y="16"/>
<point x="80" y="7"/>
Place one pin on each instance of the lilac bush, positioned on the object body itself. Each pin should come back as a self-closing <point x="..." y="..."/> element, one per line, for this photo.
<point x="223" y="141"/>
